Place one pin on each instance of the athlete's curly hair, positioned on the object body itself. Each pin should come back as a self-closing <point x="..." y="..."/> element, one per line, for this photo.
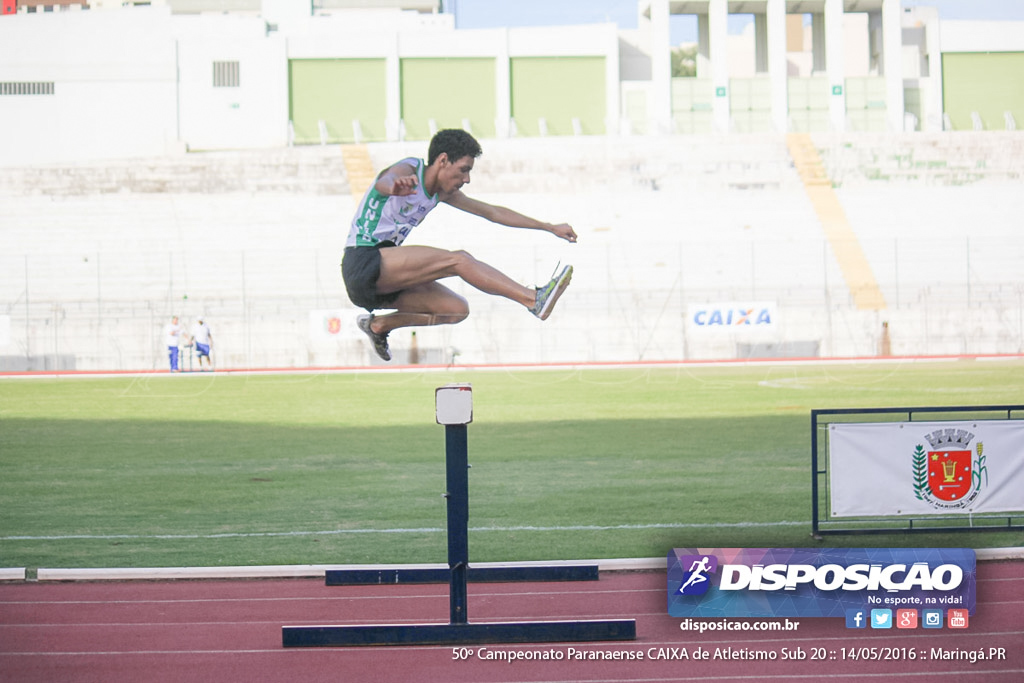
<point x="456" y="143"/>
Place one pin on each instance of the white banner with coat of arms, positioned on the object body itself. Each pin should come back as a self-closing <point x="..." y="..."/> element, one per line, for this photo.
<point x="331" y="325"/>
<point x="921" y="468"/>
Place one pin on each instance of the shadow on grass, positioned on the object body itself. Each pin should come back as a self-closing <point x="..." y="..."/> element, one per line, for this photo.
<point x="94" y="493"/>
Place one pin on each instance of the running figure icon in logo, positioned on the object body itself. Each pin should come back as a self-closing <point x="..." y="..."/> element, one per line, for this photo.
<point x="696" y="582"/>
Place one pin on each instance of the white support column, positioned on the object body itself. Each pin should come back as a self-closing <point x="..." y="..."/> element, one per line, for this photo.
<point x="933" y="95"/>
<point x="660" y="111"/>
<point x="703" y="47"/>
<point x="834" y="67"/>
<point x="892" y="46"/>
<point x="760" y="43"/>
<point x="613" y="88"/>
<point x="393" y="91"/>
<point x="718" y="30"/>
<point x="503" y="90"/>
<point x="875" y="44"/>
<point x="778" y="72"/>
<point x="817" y="43"/>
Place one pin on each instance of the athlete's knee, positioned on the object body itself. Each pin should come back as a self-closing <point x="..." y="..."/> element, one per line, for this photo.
<point x="461" y="259"/>
<point x="455" y="309"/>
<point x="458" y="309"/>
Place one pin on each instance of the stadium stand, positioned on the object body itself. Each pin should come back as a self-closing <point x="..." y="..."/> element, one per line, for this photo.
<point x="100" y="255"/>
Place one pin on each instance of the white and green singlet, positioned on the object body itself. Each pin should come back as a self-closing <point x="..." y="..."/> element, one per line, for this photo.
<point x="384" y="218"/>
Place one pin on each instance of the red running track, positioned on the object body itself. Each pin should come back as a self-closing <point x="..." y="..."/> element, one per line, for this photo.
<point x="228" y="631"/>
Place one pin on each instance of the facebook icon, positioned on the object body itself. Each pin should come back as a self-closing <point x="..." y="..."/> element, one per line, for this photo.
<point x="856" y="618"/>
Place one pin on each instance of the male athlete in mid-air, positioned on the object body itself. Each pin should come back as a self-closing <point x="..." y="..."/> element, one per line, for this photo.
<point x="380" y="273"/>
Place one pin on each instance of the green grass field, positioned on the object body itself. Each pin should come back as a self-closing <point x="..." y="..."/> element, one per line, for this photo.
<point x="219" y="469"/>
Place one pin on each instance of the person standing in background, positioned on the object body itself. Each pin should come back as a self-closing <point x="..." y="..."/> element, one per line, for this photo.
<point x="202" y="337"/>
<point x="172" y="337"/>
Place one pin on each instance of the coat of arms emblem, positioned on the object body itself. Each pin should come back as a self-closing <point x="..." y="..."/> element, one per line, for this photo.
<point x="949" y="474"/>
<point x="946" y="474"/>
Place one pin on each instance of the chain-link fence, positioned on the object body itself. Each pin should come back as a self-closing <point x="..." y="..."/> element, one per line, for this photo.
<point x="683" y="300"/>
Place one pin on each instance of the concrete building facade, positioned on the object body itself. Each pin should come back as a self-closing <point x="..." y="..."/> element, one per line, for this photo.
<point x="104" y="80"/>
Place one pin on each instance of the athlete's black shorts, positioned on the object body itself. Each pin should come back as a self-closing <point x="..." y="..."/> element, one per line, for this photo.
<point x="360" y="268"/>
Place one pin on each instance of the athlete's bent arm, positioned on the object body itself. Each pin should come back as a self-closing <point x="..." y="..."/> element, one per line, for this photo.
<point x="399" y="180"/>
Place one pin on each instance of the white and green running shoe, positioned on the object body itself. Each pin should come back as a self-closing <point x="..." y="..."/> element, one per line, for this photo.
<point x="379" y="341"/>
<point x="549" y="293"/>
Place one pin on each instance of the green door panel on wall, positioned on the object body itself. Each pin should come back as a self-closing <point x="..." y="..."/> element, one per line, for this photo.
<point x="750" y="104"/>
<point x="866" y="105"/>
<point x="558" y="90"/>
<point x="808" y="104"/>
<point x="989" y="83"/>
<point x="692" y="105"/>
<point x="448" y="91"/>
<point x="337" y="92"/>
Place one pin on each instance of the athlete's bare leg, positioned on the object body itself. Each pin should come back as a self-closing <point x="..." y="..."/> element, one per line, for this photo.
<point x="421" y="305"/>
<point x="404" y="267"/>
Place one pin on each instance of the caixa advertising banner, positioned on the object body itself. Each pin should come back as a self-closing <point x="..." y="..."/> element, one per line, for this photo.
<point x="733" y="316"/>
<point x="817" y="582"/>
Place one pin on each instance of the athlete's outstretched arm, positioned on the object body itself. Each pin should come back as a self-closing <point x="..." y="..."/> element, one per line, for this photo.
<point x="505" y="216"/>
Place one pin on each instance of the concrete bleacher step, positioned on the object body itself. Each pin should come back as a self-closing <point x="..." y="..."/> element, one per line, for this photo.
<point x="358" y="168"/>
<point x="292" y="171"/>
<point x="588" y="163"/>
<point x="938" y="159"/>
<point x="549" y="165"/>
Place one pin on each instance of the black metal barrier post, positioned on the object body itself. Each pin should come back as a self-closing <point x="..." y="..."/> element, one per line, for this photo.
<point x="457" y="465"/>
<point x="454" y="411"/>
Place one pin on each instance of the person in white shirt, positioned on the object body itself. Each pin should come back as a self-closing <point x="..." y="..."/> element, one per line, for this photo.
<point x="202" y="338"/>
<point x="172" y="337"/>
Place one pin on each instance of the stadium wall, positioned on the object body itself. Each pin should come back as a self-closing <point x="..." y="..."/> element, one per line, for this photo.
<point x="983" y="82"/>
<point x="232" y="83"/>
<point x="107" y="86"/>
<point x="143" y="82"/>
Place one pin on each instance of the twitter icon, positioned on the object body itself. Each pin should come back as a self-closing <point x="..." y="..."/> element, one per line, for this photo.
<point x="881" y="618"/>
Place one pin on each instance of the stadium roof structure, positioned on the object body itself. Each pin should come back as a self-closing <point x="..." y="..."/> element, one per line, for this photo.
<point x="201" y="6"/>
<point x="757" y="6"/>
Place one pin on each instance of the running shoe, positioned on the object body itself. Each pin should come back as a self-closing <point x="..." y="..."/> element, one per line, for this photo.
<point x="549" y="293"/>
<point x="379" y="341"/>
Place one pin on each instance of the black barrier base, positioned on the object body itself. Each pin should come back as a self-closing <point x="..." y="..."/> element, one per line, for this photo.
<point x="539" y="574"/>
<point x="460" y="634"/>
